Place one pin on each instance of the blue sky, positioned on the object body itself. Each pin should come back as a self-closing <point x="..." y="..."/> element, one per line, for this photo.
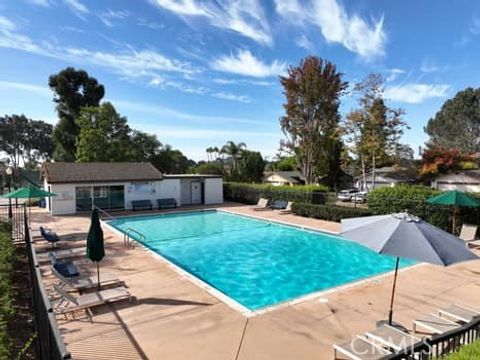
<point x="200" y="73"/>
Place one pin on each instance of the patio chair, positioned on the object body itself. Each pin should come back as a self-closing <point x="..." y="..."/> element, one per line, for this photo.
<point x="261" y="205"/>
<point x="66" y="268"/>
<point x="69" y="303"/>
<point x="288" y="209"/>
<point x="61" y="254"/>
<point x="49" y="235"/>
<point x="279" y="205"/>
<point x="360" y="349"/>
<point x="434" y="324"/>
<point x="392" y="337"/>
<point x="458" y="313"/>
<point x="85" y="282"/>
<point x="468" y="234"/>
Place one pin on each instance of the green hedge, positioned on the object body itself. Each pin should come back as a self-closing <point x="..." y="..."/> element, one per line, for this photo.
<point x="250" y="193"/>
<point x="466" y="352"/>
<point x="328" y="212"/>
<point x="386" y="200"/>
<point x="6" y="271"/>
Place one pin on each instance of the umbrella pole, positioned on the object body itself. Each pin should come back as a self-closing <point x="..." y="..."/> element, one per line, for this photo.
<point x="98" y="276"/>
<point x="390" y="313"/>
<point x="454" y="219"/>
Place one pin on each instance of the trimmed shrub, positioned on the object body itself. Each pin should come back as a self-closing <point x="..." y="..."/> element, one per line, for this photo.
<point x="250" y="193"/>
<point x="7" y="254"/>
<point x="328" y="212"/>
<point x="386" y="200"/>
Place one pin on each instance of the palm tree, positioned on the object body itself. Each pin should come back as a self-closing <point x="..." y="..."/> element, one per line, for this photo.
<point x="234" y="151"/>
<point x="209" y="151"/>
<point x="216" y="151"/>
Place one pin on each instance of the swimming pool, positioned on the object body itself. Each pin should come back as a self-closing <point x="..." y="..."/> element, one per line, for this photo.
<point x="255" y="262"/>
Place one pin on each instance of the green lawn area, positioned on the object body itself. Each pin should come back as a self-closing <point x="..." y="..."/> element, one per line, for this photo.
<point x="468" y="352"/>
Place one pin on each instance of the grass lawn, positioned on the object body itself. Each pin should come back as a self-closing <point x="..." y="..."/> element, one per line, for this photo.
<point x="468" y="352"/>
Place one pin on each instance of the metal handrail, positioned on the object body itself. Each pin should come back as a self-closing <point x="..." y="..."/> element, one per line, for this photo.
<point x="104" y="212"/>
<point x="126" y="235"/>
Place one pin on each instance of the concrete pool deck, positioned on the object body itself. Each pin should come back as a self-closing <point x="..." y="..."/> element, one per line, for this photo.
<point x="173" y="318"/>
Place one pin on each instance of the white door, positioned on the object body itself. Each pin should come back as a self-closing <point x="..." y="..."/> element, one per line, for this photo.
<point x="196" y="192"/>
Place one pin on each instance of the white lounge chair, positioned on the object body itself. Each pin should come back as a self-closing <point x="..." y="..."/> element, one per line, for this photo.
<point x="70" y="304"/>
<point x="392" y="337"/>
<point x="468" y="234"/>
<point x="261" y="205"/>
<point x="360" y="349"/>
<point x="458" y="313"/>
<point x="85" y="282"/>
<point x="61" y="254"/>
<point x="288" y="209"/>
<point x="434" y="324"/>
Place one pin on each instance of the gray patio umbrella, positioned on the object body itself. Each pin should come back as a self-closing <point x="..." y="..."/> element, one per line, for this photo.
<point x="406" y="236"/>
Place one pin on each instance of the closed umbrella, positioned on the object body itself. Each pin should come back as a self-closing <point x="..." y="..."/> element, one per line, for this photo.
<point x="95" y="249"/>
<point x="455" y="199"/>
<point x="406" y="236"/>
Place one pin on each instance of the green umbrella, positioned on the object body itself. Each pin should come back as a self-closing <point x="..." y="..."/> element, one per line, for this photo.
<point x="454" y="198"/>
<point x="28" y="193"/>
<point x="95" y="250"/>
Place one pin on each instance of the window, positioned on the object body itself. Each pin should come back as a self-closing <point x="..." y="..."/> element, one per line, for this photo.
<point x="100" y="192"/>
<point x="83" y="192"/>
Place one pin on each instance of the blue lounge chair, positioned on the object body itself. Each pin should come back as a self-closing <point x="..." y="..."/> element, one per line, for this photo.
<point x="50" y="236"/>
<point x="66" y="268"/>
<point x="279" y="205"/>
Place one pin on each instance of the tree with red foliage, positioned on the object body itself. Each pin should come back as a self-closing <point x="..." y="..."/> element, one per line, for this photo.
<point x="441" y="160"/>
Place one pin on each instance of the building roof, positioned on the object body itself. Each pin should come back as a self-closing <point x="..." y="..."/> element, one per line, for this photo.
<point x="295" y="177"/>
<point x="191" y="176"/>
<point x="466" y="176"/>
<point x="393" y="174"/>
<point x="62" y="172"/>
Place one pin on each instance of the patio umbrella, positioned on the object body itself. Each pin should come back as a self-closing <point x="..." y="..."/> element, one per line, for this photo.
<point x="454" y="198"/>
<point x="95" y="250"/>
<point x="406" y="236"/>
<point x="28" y="193"/>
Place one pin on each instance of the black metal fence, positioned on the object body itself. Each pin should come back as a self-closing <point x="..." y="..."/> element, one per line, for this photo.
<point x="49" y="339"/>
<point x="442" y="344"/>
<point x="13" y="214"/>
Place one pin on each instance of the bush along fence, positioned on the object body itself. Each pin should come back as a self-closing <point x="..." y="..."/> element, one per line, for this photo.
<point x="250" y="193"/>
<point x="328" y="212"/>
<point x="7" y="253"/>
<point x="413" y="199"/>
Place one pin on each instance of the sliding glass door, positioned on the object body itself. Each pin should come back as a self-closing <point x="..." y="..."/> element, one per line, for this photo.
<point x="104" y="197"/>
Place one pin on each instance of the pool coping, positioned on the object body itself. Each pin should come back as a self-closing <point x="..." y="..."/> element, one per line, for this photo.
<point x="232" y="303"/>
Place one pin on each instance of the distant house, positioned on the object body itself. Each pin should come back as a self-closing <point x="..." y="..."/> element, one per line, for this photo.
<point x="113" y="186"/>
<point x="387" y="176"/>
<point x="278" y="178"/>
<point x="467" y="180"/>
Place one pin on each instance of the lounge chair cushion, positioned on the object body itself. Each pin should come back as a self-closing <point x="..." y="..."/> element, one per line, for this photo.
<point x="279" y="205"/>
<point x="65" y="268"/>
<point x="50" y="236"/>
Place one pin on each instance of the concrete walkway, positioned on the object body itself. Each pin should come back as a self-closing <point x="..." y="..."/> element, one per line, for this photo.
<point x="173" y="318"/>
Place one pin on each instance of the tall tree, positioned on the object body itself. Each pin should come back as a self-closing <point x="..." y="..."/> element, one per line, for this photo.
<point x="145" y="146"/>
<point x="103" y="135"/>
<point x="457" y="124"/>
<point x="373" y="129"/>
<point x="25" y="141"/>
<point x="250" y="167"/>
<point x="171" y="161"/>
<point x="74" y="90"/>
<point x="312" y="92"/>
<point x="234" y="151"/>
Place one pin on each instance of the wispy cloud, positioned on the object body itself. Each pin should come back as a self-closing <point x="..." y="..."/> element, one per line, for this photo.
<point x="244" y="63"/>
<point x="11" y="38"/>
<point x="170" y="113"/>
<point x="304" y="43"/>
<point x="246" y="17"/>
<point x="43" y="3"/>
<point x="233" y="97"/>
<point x="223" y="81"/>
<point x="416" y="93"/>
<point x="77" y="7"/>
<point x="429" y="66"/>
<point x="108" y="17"/>
<point x="392" y="74"/>
<point x="365" y="38"/>
<point x="36" y="89"/>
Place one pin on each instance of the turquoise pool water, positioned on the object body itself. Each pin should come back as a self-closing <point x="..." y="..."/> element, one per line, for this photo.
<point x="256" y="263"/>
